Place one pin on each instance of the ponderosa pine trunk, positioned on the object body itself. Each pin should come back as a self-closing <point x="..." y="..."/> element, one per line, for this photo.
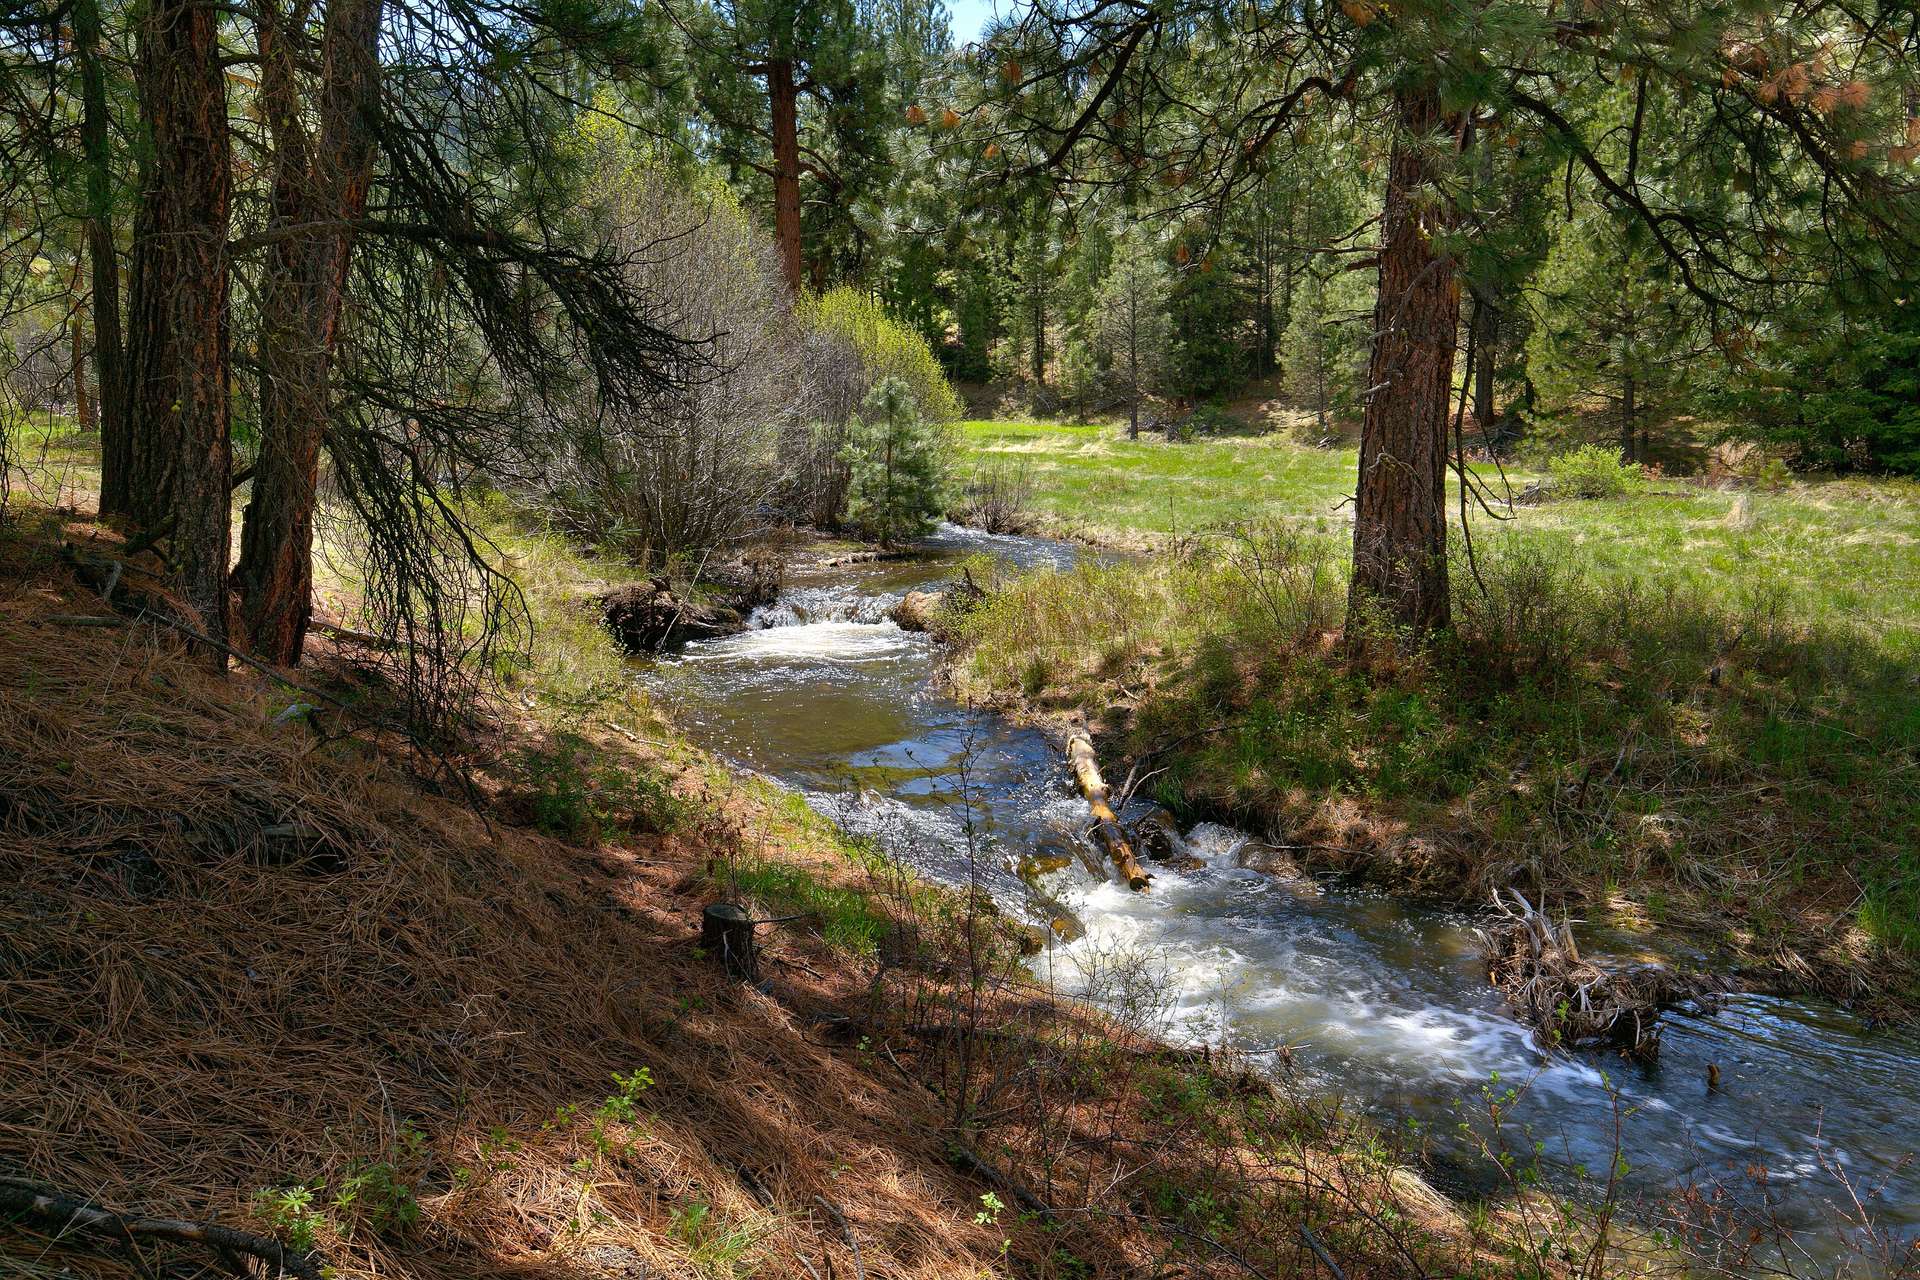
<point x="784" y="99"/>
<point x="83" y="406"/>
<point x="109" y="364"/>
<point x="1400" y="527"/>
<point x="1486" y="338"/>
<point x="320" y="185"/>
<point x="180" y="460"/>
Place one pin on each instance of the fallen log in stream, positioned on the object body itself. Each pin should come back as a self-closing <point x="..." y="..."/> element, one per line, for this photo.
<point x="1107" y="832"/>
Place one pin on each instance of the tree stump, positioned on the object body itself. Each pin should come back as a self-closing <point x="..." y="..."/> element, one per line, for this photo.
<point x="726" y="933"/>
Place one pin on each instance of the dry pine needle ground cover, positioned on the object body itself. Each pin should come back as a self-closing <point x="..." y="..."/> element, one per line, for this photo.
<point x="254" y="972"/>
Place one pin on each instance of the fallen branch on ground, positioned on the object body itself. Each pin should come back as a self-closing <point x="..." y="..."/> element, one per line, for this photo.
<point x="69" y="1213"/>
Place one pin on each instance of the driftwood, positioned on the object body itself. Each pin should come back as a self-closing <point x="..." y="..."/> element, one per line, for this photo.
<point x="1574" y="1002"/>
<point x="1107" y="831"/>
<point x="65" y="1213"/>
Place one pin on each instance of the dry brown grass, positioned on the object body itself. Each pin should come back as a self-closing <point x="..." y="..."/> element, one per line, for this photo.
<point x="240" y="954"/>
<point x="195" y="1009"/>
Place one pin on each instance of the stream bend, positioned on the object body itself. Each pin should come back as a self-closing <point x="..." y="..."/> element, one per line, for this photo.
<point x="1384" y="1003"/>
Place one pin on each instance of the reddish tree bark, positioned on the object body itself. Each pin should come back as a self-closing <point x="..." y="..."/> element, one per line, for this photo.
<point x="1400" y="526"/>
<point x="784" y="96"/>
<point x="109" y="364"/>
<point x="180" y="463"/>
<point x="83" y="406"/>
<point x="321" y="185"/>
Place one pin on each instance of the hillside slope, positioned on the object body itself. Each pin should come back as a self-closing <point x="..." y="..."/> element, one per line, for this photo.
<point x="254" y="972"/>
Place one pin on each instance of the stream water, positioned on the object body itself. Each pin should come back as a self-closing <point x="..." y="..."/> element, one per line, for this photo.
<point x="1380" y="1001"/>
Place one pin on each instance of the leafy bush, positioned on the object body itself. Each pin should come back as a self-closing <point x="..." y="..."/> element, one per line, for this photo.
<point x="1770" y="474"/>
<point x="1593" y="471"/>
<point x="375" y="1194"/>
<point x="1521" y="613"/>
<point x="1289" y="581"/>
<point x="886" y="348"/>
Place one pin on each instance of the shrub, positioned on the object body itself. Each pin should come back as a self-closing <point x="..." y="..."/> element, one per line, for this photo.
<point x="1289" y="580"/>
<point x="1593" y="471"/>
<point x="1521" y="614"/>
<point x="998" y="497"/>
<point x="577" y="793"/>
<point x="693" y="467"/>
<point x="886" y="349"/>
<point x="292" y="1213"/>
<point x="1207" y="420"/>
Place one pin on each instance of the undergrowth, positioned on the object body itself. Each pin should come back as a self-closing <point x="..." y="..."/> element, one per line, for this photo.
<point x="1670" y="755"/>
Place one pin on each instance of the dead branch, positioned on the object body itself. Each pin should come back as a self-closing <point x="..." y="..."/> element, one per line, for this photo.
<point x="1574" y="1002"/>
<point x="70" y="1213"/>
<point x="1106" y="824"/>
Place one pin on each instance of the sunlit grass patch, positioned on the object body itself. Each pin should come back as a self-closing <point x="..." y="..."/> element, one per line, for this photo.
<point x="1840" y="551"/>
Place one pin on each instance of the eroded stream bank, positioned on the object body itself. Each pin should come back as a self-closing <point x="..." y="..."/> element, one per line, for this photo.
<point x="1375" y="999"/>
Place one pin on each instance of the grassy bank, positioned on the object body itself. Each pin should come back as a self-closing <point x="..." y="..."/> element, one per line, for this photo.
<point x="1827" y="550"/>
<point x="257" y="970"/>
<point x="1686" y="709"/>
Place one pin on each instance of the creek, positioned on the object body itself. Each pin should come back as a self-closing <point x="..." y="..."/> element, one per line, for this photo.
<point x="1379" y="1001"/>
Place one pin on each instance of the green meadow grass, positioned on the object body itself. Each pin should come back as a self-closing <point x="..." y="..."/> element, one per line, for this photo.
<point x="1845" y="552"/>
<point x="1679" y="706"/>
<point x="1093" y="479"/>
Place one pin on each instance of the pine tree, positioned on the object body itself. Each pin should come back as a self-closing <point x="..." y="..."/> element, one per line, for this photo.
<point x="1028" y="297"/>
<point x="1609" y="330"/>
<point x="898" y="475"/>
<point x="1760" y="152"/>
<point x="1079" y="376"/>
<point x="1206" y="359"/>
<point x="766" y="70"/>
<point x="1321" y="349"/>
<point x="1130" y="310"/>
